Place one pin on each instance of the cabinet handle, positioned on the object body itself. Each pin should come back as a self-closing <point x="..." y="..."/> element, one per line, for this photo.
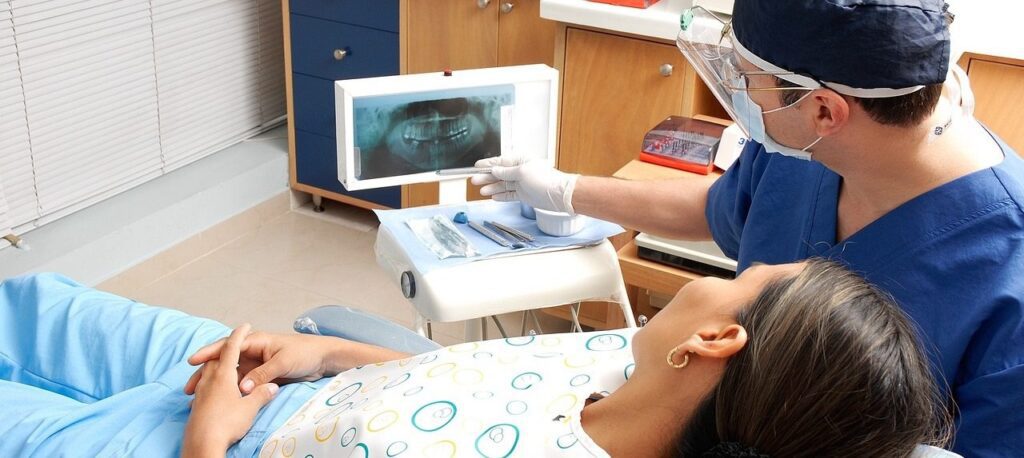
<point x="340" y="54"/>
<point x="665" y="69"/>
<point x="482" y="3"/>
<point x="507" y="7"/>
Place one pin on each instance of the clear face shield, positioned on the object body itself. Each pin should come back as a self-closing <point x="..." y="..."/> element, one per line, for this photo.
<point x="708" y="43"/>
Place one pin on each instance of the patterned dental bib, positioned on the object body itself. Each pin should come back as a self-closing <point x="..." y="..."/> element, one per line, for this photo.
<point x="520" y="396"/>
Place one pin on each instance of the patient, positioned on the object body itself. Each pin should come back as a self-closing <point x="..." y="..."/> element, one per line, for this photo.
<point x="792" y="360"/>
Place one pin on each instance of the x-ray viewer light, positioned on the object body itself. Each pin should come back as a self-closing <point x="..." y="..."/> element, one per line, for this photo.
<point x="403" y="129"/>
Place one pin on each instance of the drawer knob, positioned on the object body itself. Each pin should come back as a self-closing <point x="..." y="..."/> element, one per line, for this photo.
<point x="507" y="7"/>
<point x="340" y="54"/>
<point x="665" y="69"/>
<point x="482" y="3"/>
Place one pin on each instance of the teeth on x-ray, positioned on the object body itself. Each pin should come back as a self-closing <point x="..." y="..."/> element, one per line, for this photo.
<point x="439" y="131"/>
<point x="434" y="129"/>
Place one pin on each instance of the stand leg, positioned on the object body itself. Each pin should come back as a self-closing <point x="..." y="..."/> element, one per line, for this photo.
<point x="574" y="309"/>
<point x="318" y="203"/>
<point x="536" y="323"/>
<point x="622" y="297"/>
<point x="473" y="331"/>
<point x="501" y="328"/>
<point x="420" y="325"/>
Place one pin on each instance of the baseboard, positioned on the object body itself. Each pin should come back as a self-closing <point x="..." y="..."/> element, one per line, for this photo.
<point x="105" y="239"/>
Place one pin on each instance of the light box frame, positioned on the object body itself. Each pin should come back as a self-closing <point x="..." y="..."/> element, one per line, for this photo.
<point x="535" y="141"/>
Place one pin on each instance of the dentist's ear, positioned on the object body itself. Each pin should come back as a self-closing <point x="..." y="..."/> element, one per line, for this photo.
<point x="723" y="343"/>
<point x="833" y="112"/>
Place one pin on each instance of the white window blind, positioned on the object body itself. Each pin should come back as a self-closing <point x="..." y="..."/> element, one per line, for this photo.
<point x="18" y="200"/>
<point x="5" y="221"/>
<point x="98" y="96"/>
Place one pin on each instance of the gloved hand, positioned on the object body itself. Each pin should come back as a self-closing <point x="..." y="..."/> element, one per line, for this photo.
<point x="535" y="183"/>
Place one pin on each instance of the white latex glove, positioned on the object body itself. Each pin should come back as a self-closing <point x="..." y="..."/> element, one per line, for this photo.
<point x="535" y="183"/>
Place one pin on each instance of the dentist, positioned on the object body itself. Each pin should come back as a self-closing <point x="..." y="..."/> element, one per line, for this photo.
<point x="866" y="152"/>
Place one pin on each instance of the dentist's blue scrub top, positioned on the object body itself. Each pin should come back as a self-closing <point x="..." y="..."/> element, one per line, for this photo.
<point x="953" y="258"/>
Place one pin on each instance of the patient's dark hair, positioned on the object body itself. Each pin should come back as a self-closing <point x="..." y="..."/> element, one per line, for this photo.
<point x="832" y="368"/>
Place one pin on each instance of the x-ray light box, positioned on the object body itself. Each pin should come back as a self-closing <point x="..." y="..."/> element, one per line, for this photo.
<point x="403" y="129"/>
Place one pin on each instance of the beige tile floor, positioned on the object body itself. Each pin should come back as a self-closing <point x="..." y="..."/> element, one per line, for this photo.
<point x="269" y="264"/>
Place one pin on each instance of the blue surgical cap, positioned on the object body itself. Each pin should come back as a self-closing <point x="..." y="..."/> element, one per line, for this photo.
<point x="864" y="45"/>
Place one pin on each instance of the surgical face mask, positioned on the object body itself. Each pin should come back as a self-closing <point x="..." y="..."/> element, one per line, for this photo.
<point x="750" y="117"/>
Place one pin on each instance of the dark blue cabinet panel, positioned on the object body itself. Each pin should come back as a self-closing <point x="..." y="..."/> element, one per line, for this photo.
<point x="371" y="52"/>
<point x="368" y="31"/>
<point x="314" y="104"/>
<point x="316" y="164"/>
<point x="379" y="14"/>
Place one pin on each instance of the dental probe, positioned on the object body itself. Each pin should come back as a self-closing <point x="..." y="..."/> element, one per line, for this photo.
<point x="464" y="171"/>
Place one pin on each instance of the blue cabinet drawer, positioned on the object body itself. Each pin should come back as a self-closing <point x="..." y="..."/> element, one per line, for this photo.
<point x="371" y="52"/>
<point x="314" y="104"/>
<point x="316" y="164"/>
<point x="379" y="14"/>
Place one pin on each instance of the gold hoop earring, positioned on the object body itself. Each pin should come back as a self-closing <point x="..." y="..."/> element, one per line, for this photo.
<point x="672" y="357"/>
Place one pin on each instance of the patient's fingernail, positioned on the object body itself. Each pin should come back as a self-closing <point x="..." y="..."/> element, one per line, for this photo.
<point x="273" y="389"/>
<point x="247" y="385"/>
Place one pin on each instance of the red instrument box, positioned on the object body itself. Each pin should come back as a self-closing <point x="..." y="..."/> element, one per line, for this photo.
<point x="633" y="3"/>
<point x="683" y="143"/>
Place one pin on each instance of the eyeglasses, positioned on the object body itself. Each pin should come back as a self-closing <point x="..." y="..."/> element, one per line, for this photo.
<point x="721" y="59"/>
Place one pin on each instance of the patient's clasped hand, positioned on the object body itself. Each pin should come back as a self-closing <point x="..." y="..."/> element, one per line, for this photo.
<point x="800" y="359"/>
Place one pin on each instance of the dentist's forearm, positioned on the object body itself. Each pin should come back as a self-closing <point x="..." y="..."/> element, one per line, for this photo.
<point x="667" y="208"/>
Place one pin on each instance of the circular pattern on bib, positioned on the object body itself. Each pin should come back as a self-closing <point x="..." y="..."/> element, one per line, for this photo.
<point x="348" y="437"/>
<point x="498" y="441"/>
<point x="526" y="380"/>
<point x="566" y="440"/>
<point x="343" y="394"/>
<point x="398" y="381"/>
<point x="606" y="342"/>
<point x="442" y="449"/>
<point x="434" y="416"/>
<point x="382" y="421"/>
<point x="397" y="448"/>
<point x="440" y="369"/>
<point x="520" y="341"/>
<point x="579" y="380"/>
<point x="516" y="407"/>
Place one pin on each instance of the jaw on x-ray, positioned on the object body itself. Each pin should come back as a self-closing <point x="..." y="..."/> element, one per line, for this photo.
<point x="439" y="130"/>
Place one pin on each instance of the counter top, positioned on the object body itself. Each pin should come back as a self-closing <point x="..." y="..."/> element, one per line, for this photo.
<point x="982" y="26"/>
<point x="659" y="21"/>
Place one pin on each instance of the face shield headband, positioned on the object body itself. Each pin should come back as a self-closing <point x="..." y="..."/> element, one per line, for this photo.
<point x="708" y="42"/>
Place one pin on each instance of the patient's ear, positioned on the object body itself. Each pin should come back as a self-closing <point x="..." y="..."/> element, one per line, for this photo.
<point x="723" y="343"/>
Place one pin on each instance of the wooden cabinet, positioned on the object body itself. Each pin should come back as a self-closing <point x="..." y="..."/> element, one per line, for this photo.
<point x="464" y="34"/>
<point x="328" y="40"/>
<point x="616" y="88"/>
<point x="998" y="85"/>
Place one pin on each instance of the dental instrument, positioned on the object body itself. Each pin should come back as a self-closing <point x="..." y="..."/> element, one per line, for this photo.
<point x="522" y="236"/>
<point x="464" y="171"/>
<point x="495" y="237"/>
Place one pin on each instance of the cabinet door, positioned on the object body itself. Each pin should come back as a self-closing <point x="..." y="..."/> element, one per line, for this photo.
<point x="613" y="93"/>
<point x="998" y="92"/>
<point x="523" y="36"/>
<point x="456" y="34"/>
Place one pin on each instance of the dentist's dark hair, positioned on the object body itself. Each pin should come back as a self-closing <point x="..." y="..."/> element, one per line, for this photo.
<point x="832" y="367"/>
<point x="906" y="110"/>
